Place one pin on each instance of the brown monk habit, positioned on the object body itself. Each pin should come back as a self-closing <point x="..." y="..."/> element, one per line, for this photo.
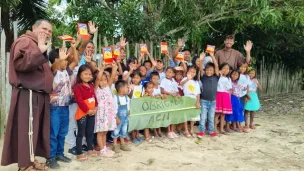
<point x="28" y="70"/>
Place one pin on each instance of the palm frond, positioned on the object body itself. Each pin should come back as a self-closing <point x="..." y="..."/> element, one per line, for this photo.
<point x="28" y="11"/>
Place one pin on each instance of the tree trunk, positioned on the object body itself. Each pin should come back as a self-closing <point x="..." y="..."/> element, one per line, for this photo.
<point x="6" y="25"/>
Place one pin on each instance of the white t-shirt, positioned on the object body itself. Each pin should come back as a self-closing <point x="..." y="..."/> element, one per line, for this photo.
<point x="162" y="75"/>
<point x="224" y="84"/>
<point x="137" y="92"/>
<point x="242" y="84"/>
<point x="156" y="91"/>
<point x="123" y="101"/>
<point x="169" y="85"/>
<point x="191" y="88"/>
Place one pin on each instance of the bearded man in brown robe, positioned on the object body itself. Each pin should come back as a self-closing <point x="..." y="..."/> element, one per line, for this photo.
<point x="28" y="126"/>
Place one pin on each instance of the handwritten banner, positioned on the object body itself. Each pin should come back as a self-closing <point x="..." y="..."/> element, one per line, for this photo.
<point x="147" y="112"/>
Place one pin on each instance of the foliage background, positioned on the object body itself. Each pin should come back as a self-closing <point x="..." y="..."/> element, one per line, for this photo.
<point x="275" y="26"/>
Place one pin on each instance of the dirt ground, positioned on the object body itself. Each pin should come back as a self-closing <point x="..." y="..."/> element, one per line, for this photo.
<point x="276" y="144"/>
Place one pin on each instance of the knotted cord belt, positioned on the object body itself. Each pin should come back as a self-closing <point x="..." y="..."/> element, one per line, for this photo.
<point x="31" y="118"/>
<point x="30" y="133"/>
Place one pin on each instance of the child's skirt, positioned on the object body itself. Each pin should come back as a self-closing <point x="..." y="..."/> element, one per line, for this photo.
<point x="237" y="110"/>
<point x="254" y="103"/>
<point x="223" y="103"/>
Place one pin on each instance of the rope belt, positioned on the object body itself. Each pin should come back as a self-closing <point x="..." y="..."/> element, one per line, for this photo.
<point x="30" y="133"/>
<point x="31" y="118"/>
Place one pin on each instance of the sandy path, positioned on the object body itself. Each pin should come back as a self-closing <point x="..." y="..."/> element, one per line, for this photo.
<point x="277" y="144"/>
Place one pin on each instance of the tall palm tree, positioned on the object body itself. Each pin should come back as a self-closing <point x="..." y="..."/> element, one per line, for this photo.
<point x="26" y="12"/>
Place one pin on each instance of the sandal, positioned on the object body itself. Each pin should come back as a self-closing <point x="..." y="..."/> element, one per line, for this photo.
<point x="228" y="130"/>
<point x="187" y="135"/>
<point x="39" y="166"/>
<point x="92" y="155"/>
<point x="245" y="130"/>
<point x="223" y="132"/>
<point x="30" y="168"/>
<point x="82" y="158"/>
<point x="148" y="140"/>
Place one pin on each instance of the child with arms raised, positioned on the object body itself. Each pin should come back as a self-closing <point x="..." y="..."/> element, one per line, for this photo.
<point x="209" y="80"/>
<point x="253" y="104"/>
<point x="122" y="102"/>
<point x="105" y="119"/>
<point x="60" y="101"/>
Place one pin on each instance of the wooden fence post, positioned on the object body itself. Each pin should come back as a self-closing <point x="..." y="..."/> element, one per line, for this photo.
<point x="8" y="88"/>
<point x="2" y="59"/>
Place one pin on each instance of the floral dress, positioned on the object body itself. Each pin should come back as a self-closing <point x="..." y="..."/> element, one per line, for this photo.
<point x="105" y="119"/>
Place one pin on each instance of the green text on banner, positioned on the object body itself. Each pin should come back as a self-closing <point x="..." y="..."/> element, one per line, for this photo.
<point x="148" y="112"/>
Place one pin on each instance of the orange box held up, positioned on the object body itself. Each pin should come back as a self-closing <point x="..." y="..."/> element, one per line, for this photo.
<point x="143" y="48"/>
<point x="83" y="30"/>
<point x="180" y="56"/>
<point x="107" y="54"/>
<point x="210" y="48"/>
<point x="65" y="38"/>
<point x="164" y="47"/>
<point x="116" y="52"/>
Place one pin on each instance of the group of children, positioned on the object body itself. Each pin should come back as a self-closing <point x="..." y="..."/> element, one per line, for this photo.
<point x="98" y="99"/>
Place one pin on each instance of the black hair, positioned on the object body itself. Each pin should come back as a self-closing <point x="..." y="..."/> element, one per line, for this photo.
<point x="119" y="84"/>
<point x="146" y="84"/>
<point x="108" y="70"/>
<point x="224" y="64"/>
<point x="154" y="73"/>
<point x="136" y="72"/>
<point x="193" y="60"/>
<point x="210" y="65"/>
<point x="54" y="54"/>
<point x="131" y="60"/>
<point x="171" y="69"/>
<point x="81" y="69"/>
<point x="254" y="72"/>
<point x="184" y="50"/>
<point x="147" y="61"/>
<point x="237" y="71"/>
<point x="196" y="77"/>
<point x="96" y="74"/>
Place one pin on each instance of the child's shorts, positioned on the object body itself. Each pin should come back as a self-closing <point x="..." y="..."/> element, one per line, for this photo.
<point x="121" y="129"/>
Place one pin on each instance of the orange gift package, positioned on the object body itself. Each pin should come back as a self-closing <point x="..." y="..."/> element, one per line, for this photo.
<point x="79" y="113"/>
<point x="210" y="48"/>
<point x="65" y="38"/>
<point x="107" y="54"/>
<point x="83" y="30"/>
<point x="116" y="52"/>
<point x="143" y="48"/>
<point x="164" y="47"/>
<point x="180" y="56"/>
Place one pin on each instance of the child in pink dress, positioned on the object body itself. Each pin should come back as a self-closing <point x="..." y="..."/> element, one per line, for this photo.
<point x="223" y="100"/>
<point x="105" y="119"/>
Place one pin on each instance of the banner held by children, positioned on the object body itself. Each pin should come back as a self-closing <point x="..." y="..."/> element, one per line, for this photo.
<point x="147" y="112"/>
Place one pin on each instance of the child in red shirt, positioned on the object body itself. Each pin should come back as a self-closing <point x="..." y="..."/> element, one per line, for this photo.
<point x="85" y="115"/>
